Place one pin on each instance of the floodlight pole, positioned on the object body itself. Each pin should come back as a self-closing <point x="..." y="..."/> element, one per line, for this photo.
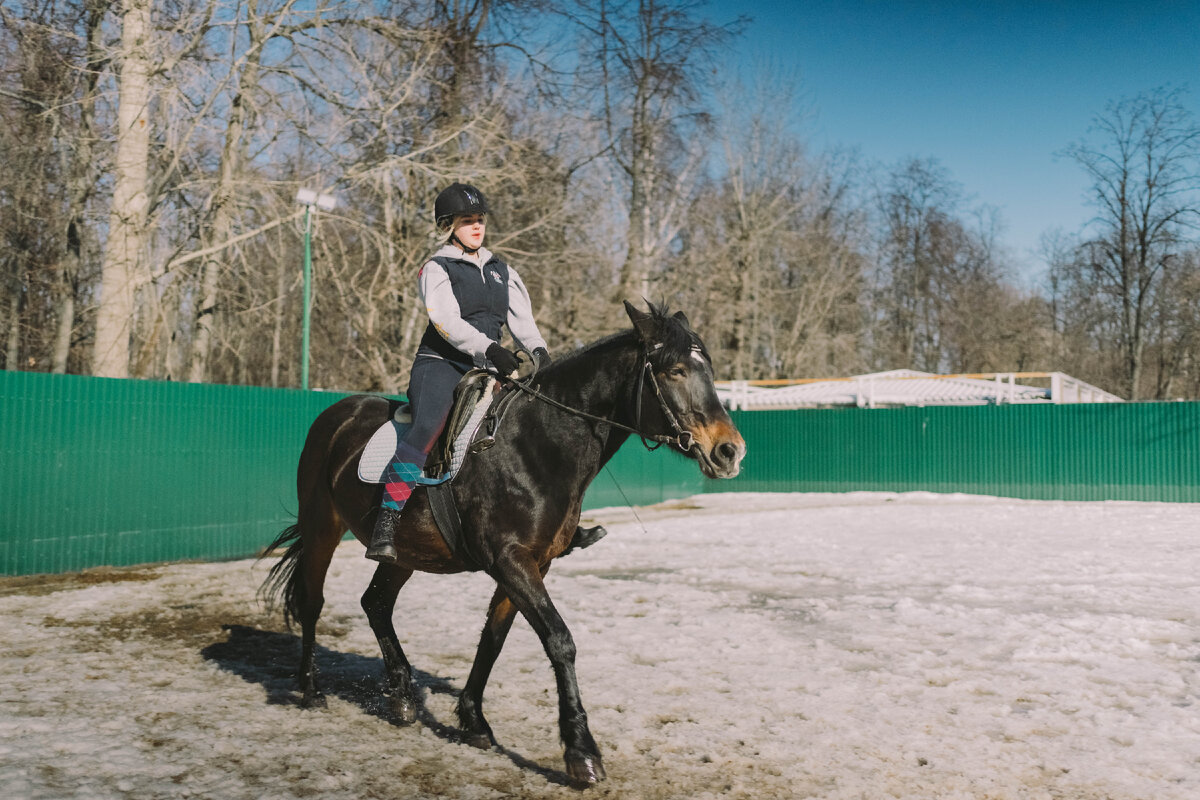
<point x="309" y="198"/>
<point x="304" y="336"/>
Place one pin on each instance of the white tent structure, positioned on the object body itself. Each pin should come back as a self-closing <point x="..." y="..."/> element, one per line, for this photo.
<point x="906" y="387"/>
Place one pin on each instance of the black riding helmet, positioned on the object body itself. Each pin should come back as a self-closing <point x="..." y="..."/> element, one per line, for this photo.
<point x="457" y="200"/>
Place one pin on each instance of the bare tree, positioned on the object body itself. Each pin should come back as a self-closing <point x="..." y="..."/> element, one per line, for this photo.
<point x="235" y="191"/>
<point x="51" y="57"/>
<point x="1175" y="329"/>
<point x="1143" y="160"/>
<point x="770" y="257"/>
<point x="650" y="63"/>
<point x="924" y="251"/>
<point x="79" y="160"/>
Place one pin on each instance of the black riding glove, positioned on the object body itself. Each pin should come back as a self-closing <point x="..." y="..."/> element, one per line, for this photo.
<point x="541" y="357"/>
<point x="505" y="362"/>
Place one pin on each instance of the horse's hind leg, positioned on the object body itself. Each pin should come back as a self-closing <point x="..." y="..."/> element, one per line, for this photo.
<point x="378" y="601"/>
<point x="476" y="731"/>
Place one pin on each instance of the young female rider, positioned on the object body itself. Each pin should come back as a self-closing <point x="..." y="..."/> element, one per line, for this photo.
<point x="469" y="295"/>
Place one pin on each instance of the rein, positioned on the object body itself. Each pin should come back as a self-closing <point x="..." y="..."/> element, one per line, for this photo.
<point x="682" y="439"/>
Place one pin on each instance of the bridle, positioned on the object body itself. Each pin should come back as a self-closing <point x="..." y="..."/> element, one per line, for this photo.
<point x="683" y="439"/>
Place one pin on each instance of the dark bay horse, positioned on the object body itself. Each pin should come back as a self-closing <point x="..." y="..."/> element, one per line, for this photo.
<point x="519" y="501"/>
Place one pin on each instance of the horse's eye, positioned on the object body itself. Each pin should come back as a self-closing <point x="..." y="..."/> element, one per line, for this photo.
<point x="677" y="372"/>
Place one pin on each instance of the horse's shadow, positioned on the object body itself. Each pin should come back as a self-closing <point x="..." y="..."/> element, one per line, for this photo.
<point x="268" y="658"/>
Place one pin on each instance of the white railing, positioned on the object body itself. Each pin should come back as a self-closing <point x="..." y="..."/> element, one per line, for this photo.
<point x="900" y="388"/>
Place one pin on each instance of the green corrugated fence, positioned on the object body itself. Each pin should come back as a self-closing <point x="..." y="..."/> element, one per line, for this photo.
<point x="114" y="472"/>
<point x="109" y="472"/>
<point x="1102" y="451"/>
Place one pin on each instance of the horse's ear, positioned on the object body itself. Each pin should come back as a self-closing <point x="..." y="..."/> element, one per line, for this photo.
<point x="644" y="323"/>
<point x="679" y="315"/>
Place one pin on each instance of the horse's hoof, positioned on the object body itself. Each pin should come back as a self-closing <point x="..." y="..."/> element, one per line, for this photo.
<point x="481" y="741"/>
<point x="315" y="700"/>
<point x="585" y="770"/>
<point x="404" y="709"/>
<point x="479" y="735"/>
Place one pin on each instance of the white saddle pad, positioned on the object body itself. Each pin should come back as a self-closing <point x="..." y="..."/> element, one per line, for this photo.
<point x="381" y="448"/>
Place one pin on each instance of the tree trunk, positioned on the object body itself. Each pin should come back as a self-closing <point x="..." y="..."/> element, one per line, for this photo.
<point x="126" y="246"/>
<point x="634" y="278"/>
<point x="222" y="227"/>
<point x="79" y="163"/>
<point x="61" y="349"/>
<point x="12" y="340"/>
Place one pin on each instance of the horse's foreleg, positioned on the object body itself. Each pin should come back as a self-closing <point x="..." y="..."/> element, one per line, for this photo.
<point x="378" y="601"/>
<point x="476" y="731"/>
<point x="519" y="577"/>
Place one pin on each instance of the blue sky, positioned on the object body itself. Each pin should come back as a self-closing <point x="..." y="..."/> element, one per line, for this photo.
<point x="992" y="90"/>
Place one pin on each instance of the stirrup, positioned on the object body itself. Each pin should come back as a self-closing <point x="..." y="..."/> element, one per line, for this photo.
<point x="384" y="553"/>
<point x="422" y="480"/>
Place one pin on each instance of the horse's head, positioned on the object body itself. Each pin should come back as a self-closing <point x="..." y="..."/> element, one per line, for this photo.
<point x="678" y="395"/>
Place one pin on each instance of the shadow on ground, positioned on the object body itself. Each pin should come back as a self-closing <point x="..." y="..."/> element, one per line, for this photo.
<point x="269" y="658"/>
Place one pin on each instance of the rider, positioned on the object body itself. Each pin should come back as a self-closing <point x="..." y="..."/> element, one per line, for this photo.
<point x="469" y="294"/>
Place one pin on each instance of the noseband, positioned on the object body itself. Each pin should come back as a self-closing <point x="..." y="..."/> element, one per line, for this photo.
<point x="683" y="439"/>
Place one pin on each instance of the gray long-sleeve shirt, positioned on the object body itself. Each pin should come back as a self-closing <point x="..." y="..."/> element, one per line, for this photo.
<point x="468" y="299"/>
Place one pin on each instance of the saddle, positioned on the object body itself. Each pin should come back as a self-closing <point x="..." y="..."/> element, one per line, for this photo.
<point x="473" y="398"/>
<point x="470" y="425"/>
<point x="470" y="428"/>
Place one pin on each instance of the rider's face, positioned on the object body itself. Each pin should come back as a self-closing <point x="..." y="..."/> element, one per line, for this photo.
<point x="470" y="229"/>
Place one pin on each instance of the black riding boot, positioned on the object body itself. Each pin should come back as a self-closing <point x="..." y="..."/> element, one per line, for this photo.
<point x="585" y="537"/>
<point x="383" y="538"/>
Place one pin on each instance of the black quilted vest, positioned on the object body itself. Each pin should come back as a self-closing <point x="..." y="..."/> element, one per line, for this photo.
<point x="482" y="302"/>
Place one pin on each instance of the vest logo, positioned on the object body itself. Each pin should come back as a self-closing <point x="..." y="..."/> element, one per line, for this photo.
<point x="496" y="276"/>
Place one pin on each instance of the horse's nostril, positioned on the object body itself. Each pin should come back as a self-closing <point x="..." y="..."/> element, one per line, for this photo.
<point x="726" y="452"/>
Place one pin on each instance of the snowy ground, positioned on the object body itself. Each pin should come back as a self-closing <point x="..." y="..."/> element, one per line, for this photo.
<point x="742" y="646"/>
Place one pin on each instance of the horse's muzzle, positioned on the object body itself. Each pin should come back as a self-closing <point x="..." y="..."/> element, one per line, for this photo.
<point x="719" y="448"/>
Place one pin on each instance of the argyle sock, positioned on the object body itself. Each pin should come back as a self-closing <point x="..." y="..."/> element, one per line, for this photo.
<point x="401" y="475"/>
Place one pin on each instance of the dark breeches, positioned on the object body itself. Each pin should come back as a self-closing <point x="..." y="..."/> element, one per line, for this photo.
<point x="430" y="393"/>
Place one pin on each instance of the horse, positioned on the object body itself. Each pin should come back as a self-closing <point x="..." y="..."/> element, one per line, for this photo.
<point x="520" y="501"/>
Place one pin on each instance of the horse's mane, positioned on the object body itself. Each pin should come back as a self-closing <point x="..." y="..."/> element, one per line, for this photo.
<point x="675" y="336"/>
<point x="612" y="341"/>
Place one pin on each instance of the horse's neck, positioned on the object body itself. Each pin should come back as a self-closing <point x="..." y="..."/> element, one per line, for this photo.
<point x="599" y="382"/>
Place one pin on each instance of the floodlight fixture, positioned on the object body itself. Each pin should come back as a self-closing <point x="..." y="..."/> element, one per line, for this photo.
<point x="309" y="197"/>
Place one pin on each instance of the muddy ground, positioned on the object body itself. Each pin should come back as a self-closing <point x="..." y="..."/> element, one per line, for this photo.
<point x="838" y="647"/>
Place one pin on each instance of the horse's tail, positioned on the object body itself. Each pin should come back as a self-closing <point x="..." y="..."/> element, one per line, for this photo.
<point x="283" y="578"/>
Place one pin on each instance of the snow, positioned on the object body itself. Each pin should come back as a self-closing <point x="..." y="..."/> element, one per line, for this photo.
<point x="865" y="645"/>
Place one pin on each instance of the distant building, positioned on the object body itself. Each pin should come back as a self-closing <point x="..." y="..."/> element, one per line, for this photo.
<point x="906" y="387"/>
